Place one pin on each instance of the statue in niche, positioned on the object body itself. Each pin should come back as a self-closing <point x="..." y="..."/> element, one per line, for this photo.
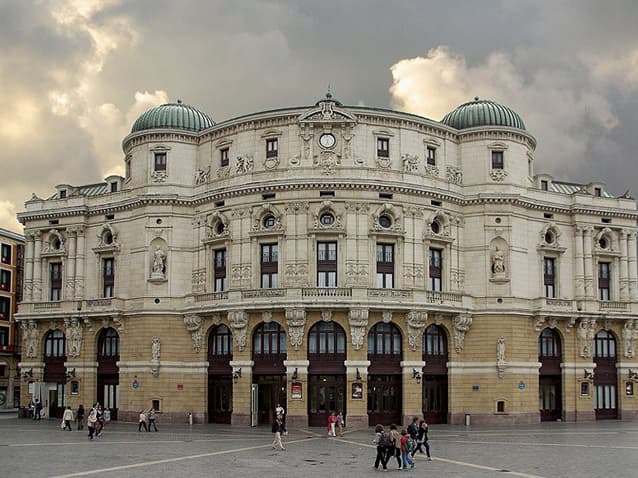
<point x="498" y="262"/>
<point x="159" y="263"/>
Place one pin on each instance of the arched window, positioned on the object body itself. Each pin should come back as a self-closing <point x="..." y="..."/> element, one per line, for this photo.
<point x="326" y="338"/>
<point x="549" y="344"/>
<point x="269" y="339"/>
<point x="109" y="344"/>
<point x="604" y="344"/>
<point x="220" y="342"/>
<point x="384" y="339"/>
<point x="55" y="344"/>
<point x="434" y="341"/>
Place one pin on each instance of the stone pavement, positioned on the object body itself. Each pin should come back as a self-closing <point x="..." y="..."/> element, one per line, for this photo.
<point x="41" y="449"/>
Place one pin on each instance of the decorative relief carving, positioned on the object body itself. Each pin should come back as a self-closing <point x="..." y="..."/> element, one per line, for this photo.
<point x="413" y="272"/>
<point x="54" y="243"/>
<point x="202" y="176"/>
<point x="118" y="322"/>
<point x="356" y="273"/>
<point x="498" y="174"/>
<point x="386" y="316"/>
<point x="73" y="332"/>
<point x="155" y="356"/>
<point x="263" y="212"/>
<point x="326" y="315"/>
<point x="89" y="324"/>
<point x="244" y="163"/>
<point x="272" y="163"/>
<point x="629" y="336"/>
<point x="347" y="137"/>
<point x="462" y="325"/>
<point x="223" y="172"/>
<point x="383" y="163"/>
<point x="328" y="161"/>
<point x="542" y="322"/>
<point x="297" y="273"/>
<point x="31" y="337"/>
<point x="394" y="212"/>
<point x="416" y="320"/>
<point x="500" y="356"/>
<point x="107" y="239"/>
<point x="159" y="176"/>
<point x="159" y="263"/>
<point x="266" y="316"/>
<point x="327" y="208"/>
<point x="454" y="175"/>
<point x="431" y="170"/>
<point x="238" y="320"/>
<point x="458" y="279"/>
<point x="193" y="323"/>
<point x="198" y="280"/>
<point x="240" y="272"/>
<point x="358" y="320"/>
<point x="306" y="138"/>
<point x="296" y="320"/>
<point x="585" y="333"/>
<point x="217" y="226"/>
<point x="410" y="163"/>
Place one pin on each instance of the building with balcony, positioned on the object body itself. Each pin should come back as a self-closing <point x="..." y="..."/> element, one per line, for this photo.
<point x="333" y="257"/>
<point x="11" y="269"/>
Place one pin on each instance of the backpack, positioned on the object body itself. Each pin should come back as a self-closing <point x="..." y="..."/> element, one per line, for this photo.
<point x="386" y="440"/>
<point x="410" y="444"/>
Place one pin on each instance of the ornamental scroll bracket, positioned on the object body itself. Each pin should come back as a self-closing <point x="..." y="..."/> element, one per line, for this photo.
<point x="193" y="323"/>
<point x="462" y="325"/>
<point x="416" y="320"/>
<point x="238" y="320"/>
<point x="296" y="320"/>
<point x="358" y="320"/>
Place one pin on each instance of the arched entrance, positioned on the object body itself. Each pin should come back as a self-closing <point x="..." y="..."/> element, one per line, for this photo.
<point x="108" y="374"/>
<point x="435" y="375"/>
<point x="549" y="381"/>
<point x="327" y="373"/>
<point x="269" y="372"/>
<point x="384" y="375"/>
<point x="605" y="377"/>
<point x="220" y="375"/>
<point x="55" y="373"/>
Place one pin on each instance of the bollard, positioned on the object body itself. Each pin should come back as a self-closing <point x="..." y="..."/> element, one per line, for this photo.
<point x="467" y="419"/>
<point x="190" y="418"/>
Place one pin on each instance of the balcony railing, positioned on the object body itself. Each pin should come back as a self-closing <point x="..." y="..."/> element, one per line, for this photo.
<point x="99" y="303"/>
<point x="612" y="305"/>
<point x="211" y="297"/>
<point x="558" y="302"/>
<point x="436" y="297"/>
<point x="257" y="293"/>
<point x="326" y="292"/>
<point x="407" y="293"/>
<point x="46" y="305"/>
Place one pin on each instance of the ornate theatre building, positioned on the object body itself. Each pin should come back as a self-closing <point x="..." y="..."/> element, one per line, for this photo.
<point x="332" y="257"/>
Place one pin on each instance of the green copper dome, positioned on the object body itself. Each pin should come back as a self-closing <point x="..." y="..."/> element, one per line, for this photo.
<point x="482" y="113"/>
<point x="173" y="116"/>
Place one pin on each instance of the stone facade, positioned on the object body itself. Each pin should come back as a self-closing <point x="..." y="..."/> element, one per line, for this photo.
<point x="301" y="178"/>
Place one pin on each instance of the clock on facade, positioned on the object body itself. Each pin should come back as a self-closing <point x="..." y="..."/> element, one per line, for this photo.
<point x="327" y="140"/>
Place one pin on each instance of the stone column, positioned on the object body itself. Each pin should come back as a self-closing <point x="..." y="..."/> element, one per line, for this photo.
<point x="37" y="267"/>
<point x="624" y="275"/>
<point x="297" y="407"/>
<point x="631" y="265"/>
<point x="589" y="278"/>
<point x="242" y="389"/>
<point x="357" y="380"/>
<point x="79" y="264"/>
<point x="28" y="269"/>
<point x="580" y="273"/>
<point x="69" y="292"/>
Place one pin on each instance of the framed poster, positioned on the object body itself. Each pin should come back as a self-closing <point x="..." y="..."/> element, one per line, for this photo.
<point x="357" y="391"/>
<point x="295" y="391"/>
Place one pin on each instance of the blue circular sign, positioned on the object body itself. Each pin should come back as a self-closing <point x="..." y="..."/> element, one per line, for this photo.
<point x="136" y="384"/>
<point x="521" y="385"/>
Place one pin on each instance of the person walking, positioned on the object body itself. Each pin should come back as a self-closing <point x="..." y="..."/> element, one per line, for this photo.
<point x="79" y="416"/>
<point x="413" y="431"/>
<point x="381" y="440"/>
<point x="422" y="440"/>
<point x="142" y="421"/>
<point x="38" y="410"/>
<point x="405" y="450"/>
<point x="332" y="421"/>
<point x="340" y="423"/>
<point x="67" y="417"/>
<point x="151" y="420"/>
<point x="100" y="420"/>
<point x="394" y="446"/>
<point x="277" y="429"/>
<point x="91" y="421"/>
<point x="280" y="413"/>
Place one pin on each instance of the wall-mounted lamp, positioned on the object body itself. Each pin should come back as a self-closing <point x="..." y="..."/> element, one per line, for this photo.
<point x="358" y="374"/>
<point x="589" y="375"/>
<point x="70" y="374"/>
<point x="27" y="374"/>
<point x="633" y="375"/>
<point x="294" y="374"/>
<point x="236" y="375"/>
<point x="416" y="375"/>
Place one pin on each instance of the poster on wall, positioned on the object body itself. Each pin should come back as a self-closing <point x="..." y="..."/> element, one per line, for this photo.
<point x="357" y="391"/>
<point x="295" y="391"/>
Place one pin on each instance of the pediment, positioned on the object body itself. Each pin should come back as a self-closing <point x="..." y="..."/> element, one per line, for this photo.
<point x="327" y="112"/>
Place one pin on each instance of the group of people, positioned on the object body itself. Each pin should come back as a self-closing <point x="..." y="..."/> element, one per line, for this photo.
<point x="401" y="445"/>
<point x="147" y="420"/>
<point x="335" y="424"/>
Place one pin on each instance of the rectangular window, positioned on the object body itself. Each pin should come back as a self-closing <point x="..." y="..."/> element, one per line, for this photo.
<point x="127" y="168"/>
<point x="383" y="147"/>
<point x="55" y="276"/>
<point x="604" y="276"/>
<point x="269" y="266"/>
<point x="108" y="276"/>
<point x="220" y="270"/>
<point x="385" y="266"/>
<point x="5" y="280"/>
<point x="4" y="340"/>
<point x="113" y="187"/>
<point x="598" y="192"/>
<point x="497" y="159"/>
<point x="160" y="162"/>
<point x="436" y="269"/>
<point x="326" y="264"/>
<point x="271" y="148"/>
<point x="5" y="308"/>
<point x="431" y="156"/>
<point x="544" y="185"/>
<point x="63" y="194"/>
<point x="549" y="277"/>
<point x="5" y="256"/>
<point x="223" y="155"/>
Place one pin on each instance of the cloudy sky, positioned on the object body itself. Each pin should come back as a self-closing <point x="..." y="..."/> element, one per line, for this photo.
<point x="74" y="74"/>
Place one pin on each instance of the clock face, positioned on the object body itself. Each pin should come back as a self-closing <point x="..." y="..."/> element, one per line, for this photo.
<point x="327" y="140"/>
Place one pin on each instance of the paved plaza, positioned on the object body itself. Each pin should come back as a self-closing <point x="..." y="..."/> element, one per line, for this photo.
<point x="41" y="449"/>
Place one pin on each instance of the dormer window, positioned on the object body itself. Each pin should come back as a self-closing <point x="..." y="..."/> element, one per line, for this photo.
<point x="544" y="185"/>
<point x="160" y="162"/>
<point x="223" y="155"/>
<point x="113" y="187"/>
<point x="598" y="192"/>
<point x="497" y="160"/>
<point x="271" y="148"/>
<point x="430" y="157"/>
<point x="63" y="194"/>
<point x="383" y="147"/>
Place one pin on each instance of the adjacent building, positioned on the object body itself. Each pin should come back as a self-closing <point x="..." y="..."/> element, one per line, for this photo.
<point x="332" y="257"/>
<point x="11" y="269"/>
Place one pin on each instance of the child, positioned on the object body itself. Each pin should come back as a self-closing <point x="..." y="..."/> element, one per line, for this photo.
<point x="405" y="453"/>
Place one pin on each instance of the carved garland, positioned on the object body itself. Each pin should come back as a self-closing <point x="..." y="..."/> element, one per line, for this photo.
<point x="296" y="320"/>
<point x="193" y="323"/>
<point x="358" y="320"/>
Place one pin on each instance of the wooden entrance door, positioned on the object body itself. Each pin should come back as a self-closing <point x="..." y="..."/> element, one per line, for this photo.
<point x="220" y="398"/>
<point x="271" y="391"/>
<point x="384" y="399"/>
<point x="108" y="393"/>
<point x="549" y="390"/>
<point x="605" y="376"/>
<point x="327" y="394"/>
<point x="435" y="398"/>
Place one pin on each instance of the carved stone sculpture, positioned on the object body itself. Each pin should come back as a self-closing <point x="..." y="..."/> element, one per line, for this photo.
<point x="296" y="320"/>
<point x="358" y="320"/>
<point x="238" y="320"/>
<point x="629" y="336"/>
<point x="31" y="336"/>
<point x="155" y="356"/>
<point x="585" y="334"/>
<point x="416" y="322"/>
<point x="462" y="324"/>
<point x="159" y="264"/>
<point x="73" y="330"/>
<point x="500" y="356"/>
<point x="498" y="262"/>
<point x="193" y="323"/>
